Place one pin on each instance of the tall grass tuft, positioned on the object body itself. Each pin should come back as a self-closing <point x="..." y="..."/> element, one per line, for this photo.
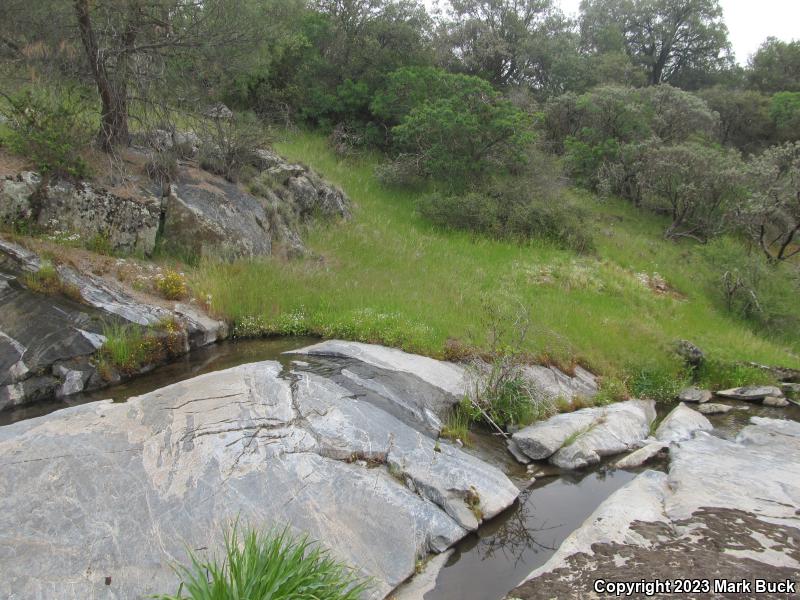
<point x="271" y="566"/>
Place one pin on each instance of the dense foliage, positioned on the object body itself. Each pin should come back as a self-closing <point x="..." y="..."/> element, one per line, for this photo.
<point x="484" y="109"/>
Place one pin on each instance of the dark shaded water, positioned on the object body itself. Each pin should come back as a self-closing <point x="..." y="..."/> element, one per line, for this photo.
<point x="500" y="556"/>
<point x="493" y="561"/>
<point x="204" y="360"/>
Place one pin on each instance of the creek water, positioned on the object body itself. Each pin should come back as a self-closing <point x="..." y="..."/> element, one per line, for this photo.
<point x="491" y="562"/>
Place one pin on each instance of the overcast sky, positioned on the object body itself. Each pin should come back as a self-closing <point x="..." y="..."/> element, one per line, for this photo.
<point x="750" y="21"/>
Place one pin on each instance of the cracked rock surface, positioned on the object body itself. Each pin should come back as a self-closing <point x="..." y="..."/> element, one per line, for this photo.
<point x="576" y="440"/>
<point x="48" y="341"/>
<point x="726" y="509"/>
<point x="122" y="490"/>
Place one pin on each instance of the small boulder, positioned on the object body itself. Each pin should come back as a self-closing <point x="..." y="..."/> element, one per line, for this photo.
<point x="576" y="440"/>
<point x="641" y="456"/>
<point x="691" y="354"/>
<point x="681" y="423"/>
<point x="518" y="454"/>
<point x="714" y="408"/>
<point x="219" y="111"/>
<point x="775" y="401"/>
<point x="790" y="388"/>
<point x="751" y="393"/>
<point x="694" y="394"/>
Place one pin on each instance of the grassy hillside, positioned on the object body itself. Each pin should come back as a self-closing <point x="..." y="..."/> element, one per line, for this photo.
<point x="387" y="276"/>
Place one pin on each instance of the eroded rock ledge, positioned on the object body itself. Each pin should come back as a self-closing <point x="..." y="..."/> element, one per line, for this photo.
<point x="48" y="341"/>
<point x="121" y="490"/>
<point x="726" y="509"/>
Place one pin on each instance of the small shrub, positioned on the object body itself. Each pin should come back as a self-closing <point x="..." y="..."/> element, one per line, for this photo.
<point x="228" y="146"/>
<point x="518" y="209"/>
<point x="751" y="288"/>
<point x="162" y="168"/>
<point x="172" y="285"/>
<point x="101" y="244"/>
<point x="272" y="566"/>
<point x="128" y="348"/>
<point x="50" y="129"/>
<point x="612" y="389"/>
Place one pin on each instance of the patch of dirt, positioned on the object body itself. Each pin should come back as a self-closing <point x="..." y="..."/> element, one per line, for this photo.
<point x="12" y="165"/>
<point x="712" y="544"/>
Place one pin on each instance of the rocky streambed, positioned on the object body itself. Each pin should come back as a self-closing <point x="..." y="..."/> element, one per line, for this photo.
<point x="117" y="492"/>
<point x="339" y="440"/>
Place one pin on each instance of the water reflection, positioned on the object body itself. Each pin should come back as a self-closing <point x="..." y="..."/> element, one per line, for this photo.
<point x="501" y="554"/>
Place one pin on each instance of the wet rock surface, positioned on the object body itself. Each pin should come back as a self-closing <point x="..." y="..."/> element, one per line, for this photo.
<point x="121" y="490"/>
<point x="715" y="408"/>
<point x="751" y="393"/>
<point x="726" y="509"/>
<point x="48" y="341"/>
<point x="694" y="394"/>
<point x="582" y="438"/>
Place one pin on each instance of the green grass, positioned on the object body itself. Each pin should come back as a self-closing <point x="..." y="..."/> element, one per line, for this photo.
<point x="128" y="348"/>
<point x="273" y="566"/>
<point x="388" y="276"/>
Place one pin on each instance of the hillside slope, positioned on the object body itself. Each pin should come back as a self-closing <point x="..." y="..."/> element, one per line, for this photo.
<point x="387" y="276"/>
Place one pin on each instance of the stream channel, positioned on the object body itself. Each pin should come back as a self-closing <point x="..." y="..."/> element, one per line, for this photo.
<point x="485" y="565"/>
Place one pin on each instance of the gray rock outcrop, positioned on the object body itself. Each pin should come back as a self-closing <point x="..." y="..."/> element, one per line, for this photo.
<point x="681" y="424"/>
<point x="726" y="509"/>
<point x="210" y="217"/>
<point x="694" y="394"/>
<point x="554" y="384"/>
<point x="751" y="393"/>
<point x="206" y="216"/>
<point x="578" y="439"/>
<point x="121" y="490"/>
<point x="126" y="224"/>
<point x="48" y="341"/>
<point x="775" y="401"/>
<point x="639" y="457"/>
<point x="714" y="408"/>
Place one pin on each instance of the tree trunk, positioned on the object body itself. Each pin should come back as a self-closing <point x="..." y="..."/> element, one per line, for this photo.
<point x="113" y="91"/>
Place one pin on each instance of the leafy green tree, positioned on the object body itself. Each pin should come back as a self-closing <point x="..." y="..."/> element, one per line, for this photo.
<point x="676" y="115"/>
<point x="744" y="117"/>
<point x="775" y="67"/>
<point x="460" y="137"/>
<point x="665" y="37"/>
<point x="772" y="212"/>
<point x="507" y="42"/>
<point x="697" y="186"/>
<point x="784" y="111"/>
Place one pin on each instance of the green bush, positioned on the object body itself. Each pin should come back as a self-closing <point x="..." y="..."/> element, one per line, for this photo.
<point x="50" y="129"/>
<point x="519" y="209"/>
<point x="272" y="566"/>
<point x="459" y="136"/>
<point x="751" y="288"/>
<point x="784" y="111"/>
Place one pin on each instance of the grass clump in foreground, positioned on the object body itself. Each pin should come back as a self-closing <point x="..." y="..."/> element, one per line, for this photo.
<point x="271" y="566"/>
<point x="388" y="276"/>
